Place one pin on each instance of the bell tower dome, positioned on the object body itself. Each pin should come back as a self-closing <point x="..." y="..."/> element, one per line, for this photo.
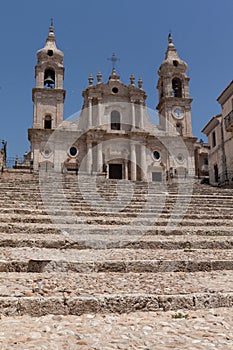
<point x="48" y="95"/>
<point x="173" y="87"/>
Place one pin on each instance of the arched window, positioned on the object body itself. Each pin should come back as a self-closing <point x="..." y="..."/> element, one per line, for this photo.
<point x="49" y="78"/>
<point x="48" y="122"/>
<point x="179" y="128"/>
<point x="176" y="87"/>
<point x="115" y="120"/>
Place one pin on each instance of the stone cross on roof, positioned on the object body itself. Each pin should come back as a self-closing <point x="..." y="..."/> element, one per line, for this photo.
<point x="114" y="59"/>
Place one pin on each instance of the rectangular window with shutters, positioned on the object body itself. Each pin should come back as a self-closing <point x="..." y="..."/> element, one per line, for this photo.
<point x="213" y="139"/>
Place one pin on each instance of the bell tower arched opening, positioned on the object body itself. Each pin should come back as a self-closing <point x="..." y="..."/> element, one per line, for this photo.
<point x="176" y="87"/>
<point x="48" y="122"/>
<point x="49" y="78"/>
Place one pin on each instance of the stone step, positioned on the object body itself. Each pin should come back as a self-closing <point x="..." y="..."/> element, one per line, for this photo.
<point x="104" y="304"/>
<point x="140" y="220"/>
<point x="76" y="231"/>
<point x="10" y="208"/>
<point x="59" y="293"/>
<point x="125" y="267"/>
<point x="25" y="190"/>
<point x="125" y="197"/>
<point x="60" y="207"/>
<point x="26" y="253"/>
<point x="194" y="212"/>
<point x="172" y="242"/>
<point x="115" y="260"/>
<point x="114" y="200"/>
<point x="119" y="218"/>
<point x="111" y="195"/>
<point x="94" y="283"/>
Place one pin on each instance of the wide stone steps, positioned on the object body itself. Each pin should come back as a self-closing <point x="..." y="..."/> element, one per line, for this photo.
<point x="118" y="219"/>
<point x="191" y="213"/>
<point x="169" y="242"/>
<point x="25" y="253"/>
<point x="75" y="294"/>
<point x="72" y="253"/>
<point x="76" y="231"/>
<point x="114" y="260"/>
<point x="95" y="283"/>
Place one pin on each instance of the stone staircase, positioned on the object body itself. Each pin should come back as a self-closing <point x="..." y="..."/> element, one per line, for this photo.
<point x="76" y="244"/>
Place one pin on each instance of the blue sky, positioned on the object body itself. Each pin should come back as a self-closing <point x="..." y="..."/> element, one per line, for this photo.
<point x="89" y="31"/>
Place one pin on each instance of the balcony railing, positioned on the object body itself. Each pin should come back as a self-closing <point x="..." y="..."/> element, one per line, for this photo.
<point x="229" y="121"/>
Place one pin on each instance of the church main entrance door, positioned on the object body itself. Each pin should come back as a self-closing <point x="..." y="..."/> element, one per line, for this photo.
<point x="115" y="171"/>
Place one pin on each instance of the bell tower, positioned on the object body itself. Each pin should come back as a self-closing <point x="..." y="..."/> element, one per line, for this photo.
<point x="173" y="87"/>
<point x="48" y="95"/>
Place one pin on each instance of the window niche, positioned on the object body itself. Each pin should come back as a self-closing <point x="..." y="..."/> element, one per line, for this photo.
<point x="179" y="128"/>
<point x="213" y="139"/>
<point x="48" y="122"/>
<point x="115" y="120"/>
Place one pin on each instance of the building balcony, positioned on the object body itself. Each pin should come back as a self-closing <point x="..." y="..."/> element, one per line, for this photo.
<point x="229" y="122"/>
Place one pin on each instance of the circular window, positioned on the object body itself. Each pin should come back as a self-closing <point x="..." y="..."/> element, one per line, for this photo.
<point x="50" y="53"/>
<point x="156" y="155"/>
<point x="73" y="151"/>
<point x="180" y="158"/>
<point x="115" y="90"/>
<point x="47" y="152"/>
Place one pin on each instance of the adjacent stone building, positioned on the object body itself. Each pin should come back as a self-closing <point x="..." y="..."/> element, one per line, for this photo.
<point x="201" y="159"/>
<point x="113" y="134"/>
<point x="219" y="131"/>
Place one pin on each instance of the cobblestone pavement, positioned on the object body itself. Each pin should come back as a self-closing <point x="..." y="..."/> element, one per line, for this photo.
<point x="177" y="330"/>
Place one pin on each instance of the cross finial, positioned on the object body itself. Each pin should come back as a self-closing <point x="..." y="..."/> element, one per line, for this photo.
<point x="170" y="36"/>
<point x="51" y="21"/>
<point x="114" y="59"/>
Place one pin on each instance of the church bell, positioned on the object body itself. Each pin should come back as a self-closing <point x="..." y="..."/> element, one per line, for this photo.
<point x="49" y="81"/>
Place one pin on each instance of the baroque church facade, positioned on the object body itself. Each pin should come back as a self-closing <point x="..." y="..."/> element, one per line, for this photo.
<point x="113" y="135"/>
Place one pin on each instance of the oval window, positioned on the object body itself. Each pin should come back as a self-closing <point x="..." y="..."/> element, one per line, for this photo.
<point x="156" y="155"/>
<point x="47" y="152"/>
<point x="180" y="158"/>
<point x="73" y="151"/>
<point x="115" y="90"/>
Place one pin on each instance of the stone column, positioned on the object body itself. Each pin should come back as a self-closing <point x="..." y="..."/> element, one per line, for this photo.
<point x="90" y="113"/>
<point x="99" y="158"/>
<point x="133" y="115"/>
<point x="89" y="158"/>
<point x="126" y="170"/>
<point x="133" y="162"/>
<point x="143" y="163"/>
<point x="99" y="121"/>
<point x="141" y="115"/>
